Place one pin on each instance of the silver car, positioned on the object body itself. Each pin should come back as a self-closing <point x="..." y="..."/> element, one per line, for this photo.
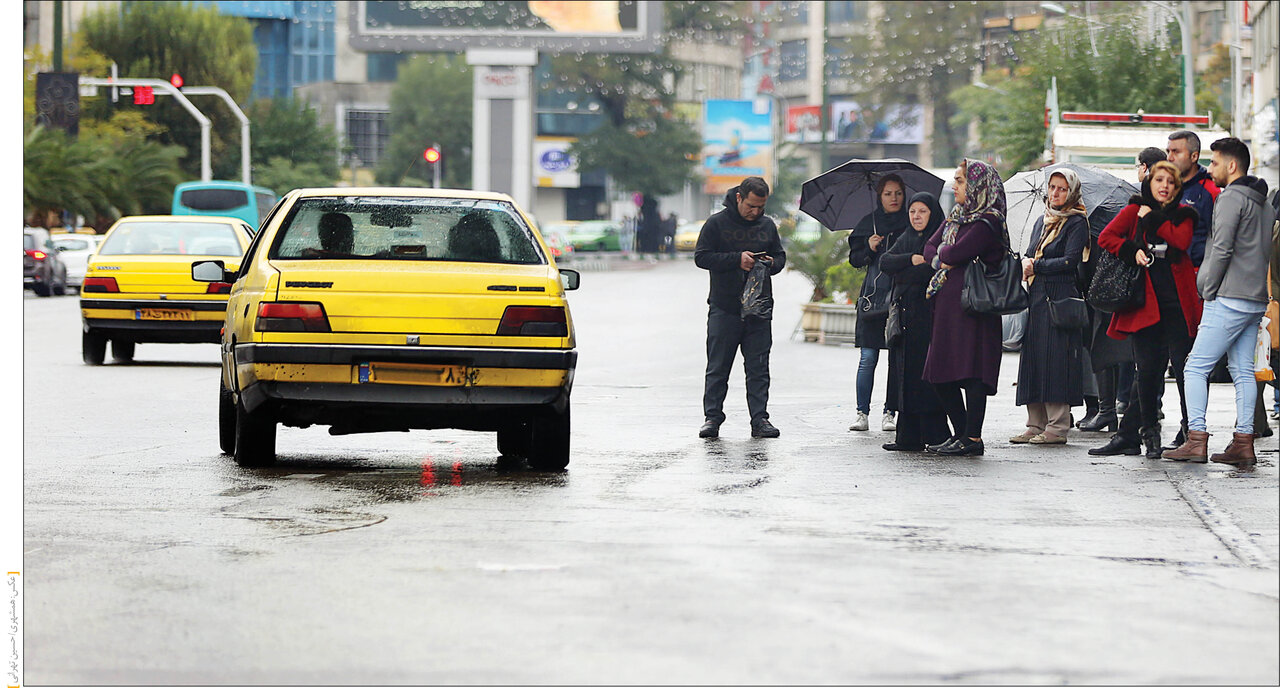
<point x="75" y="250"/>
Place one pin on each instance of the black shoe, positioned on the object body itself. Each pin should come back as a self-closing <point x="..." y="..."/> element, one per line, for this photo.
<point x="1103" y="421"/>
<point x="936" y="448"/>
<point x="1178" y="439"/>
<point x="894" y="446"/>
<point x="1121" y="407"/>
<point x="709" y="429"/>
<point x="963" y="447"/>
<point x="1151" y="439"/>
<point x="764" y="429"/>
<point x="1116" y="446"/>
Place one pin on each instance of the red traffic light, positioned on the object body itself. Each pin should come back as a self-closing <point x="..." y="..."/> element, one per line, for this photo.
<point x="143" y="95"/>
<point x="176" y="80"/>
<point x="431" y="155"/>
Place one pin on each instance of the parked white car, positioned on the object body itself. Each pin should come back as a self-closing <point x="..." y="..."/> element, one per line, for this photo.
<point x="75" y="249"/>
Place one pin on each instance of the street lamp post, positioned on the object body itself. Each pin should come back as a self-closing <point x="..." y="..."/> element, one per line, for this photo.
<point x="1055" y="8"/>
<point x="1188" y="83"/>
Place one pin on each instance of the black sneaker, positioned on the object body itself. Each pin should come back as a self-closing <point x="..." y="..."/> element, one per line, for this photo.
<point x="764" y="429"/>
<point x="709" y="429"/>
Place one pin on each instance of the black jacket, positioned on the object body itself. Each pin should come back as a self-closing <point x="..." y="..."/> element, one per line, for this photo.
<point x="724" y="236"/>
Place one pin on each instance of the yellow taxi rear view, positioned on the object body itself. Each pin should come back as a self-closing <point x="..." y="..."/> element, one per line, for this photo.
<point x="372" y="310"/>
<point x="138" y="286"/>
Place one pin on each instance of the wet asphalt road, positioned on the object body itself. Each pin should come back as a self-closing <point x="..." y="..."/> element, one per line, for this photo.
<point x="656" y="558"/>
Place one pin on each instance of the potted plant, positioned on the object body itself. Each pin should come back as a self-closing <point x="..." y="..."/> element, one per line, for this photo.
<point x="824" y="261"/>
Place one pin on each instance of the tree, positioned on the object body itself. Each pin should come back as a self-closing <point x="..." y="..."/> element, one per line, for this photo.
<point x="431" y="103"/>
<point x="156" y="39"/>
<point x="1213" y="85"/>
<point x="288" y="147"/>
<point x="920" y="52"/>
<point x="1129" y="73"/>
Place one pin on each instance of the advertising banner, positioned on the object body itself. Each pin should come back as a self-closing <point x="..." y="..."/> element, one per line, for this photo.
<point x="737" y="142"/>
<point x="553" y="167"/>
<point x="852" y="123"/>
<point x="804" y="123"/>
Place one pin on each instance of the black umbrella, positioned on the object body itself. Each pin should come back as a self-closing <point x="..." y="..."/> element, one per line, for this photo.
<point x="1102" y="193"/>
<point x="840" y="197"/>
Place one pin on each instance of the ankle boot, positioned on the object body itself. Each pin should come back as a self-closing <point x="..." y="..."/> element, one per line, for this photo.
<point x="1090" y="411"/>
<point x="1195" y="449"/>
<point x="1151" y="440"/>
<point x="1179" y="438"/>
<point x="1239" y="452"/>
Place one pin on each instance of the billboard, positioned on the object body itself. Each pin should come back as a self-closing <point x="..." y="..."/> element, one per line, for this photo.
<point x="737" y="142"/>
<point x="553" y="167"/>
<point x="853" y="123"/>
<point x="804" y="123"/>
<point x="435" y="25"/>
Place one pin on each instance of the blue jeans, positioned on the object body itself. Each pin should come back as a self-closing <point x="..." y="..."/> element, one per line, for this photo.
<point x="1223" y="329"/>
<point x="866" y="377"/>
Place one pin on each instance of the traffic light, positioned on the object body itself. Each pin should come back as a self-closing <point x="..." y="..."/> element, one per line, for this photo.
<point x="431" y="155"/>
<point x="143" y="95"/>
<point x="176" y="80"/>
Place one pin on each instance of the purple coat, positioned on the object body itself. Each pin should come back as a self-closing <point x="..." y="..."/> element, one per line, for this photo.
<point x="964" y="346"/>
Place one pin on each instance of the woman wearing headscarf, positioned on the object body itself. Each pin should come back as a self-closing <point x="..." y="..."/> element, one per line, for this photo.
<point x="868" y="241"/>
<point x="921" y="419"/>
<point x="1050" y="370"/>
<point x="1154" y="231"/>
<point x="965" y="354"/>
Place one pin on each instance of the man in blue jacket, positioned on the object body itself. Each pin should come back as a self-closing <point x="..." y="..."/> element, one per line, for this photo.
<point x="1198" y="189"/>
<point x="729" y="245"/>
<point x="1233" y="283"/>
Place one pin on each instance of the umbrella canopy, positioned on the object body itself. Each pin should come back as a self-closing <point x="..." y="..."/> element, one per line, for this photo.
<point x="1103" y="194"/>
<point x="840" y="197"/>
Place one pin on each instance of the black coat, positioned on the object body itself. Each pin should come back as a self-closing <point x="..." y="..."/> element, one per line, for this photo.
<point x="873" y="298"/>
<point x="724" y="236"/>
<point x="1050" y="369"/>
<point x="906" y="358"/>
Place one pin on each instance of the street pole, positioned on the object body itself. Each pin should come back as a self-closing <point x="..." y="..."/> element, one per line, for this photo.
<point x="824" y="118"/>
<point x="206" y="172"/>
<point x="1188" y="83"/>
<point x="435" y="169"/>
<point x="57" y="35"/>
<point x="235" y="110"/>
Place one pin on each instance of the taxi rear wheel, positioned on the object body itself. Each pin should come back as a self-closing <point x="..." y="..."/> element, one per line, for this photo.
<point x="226" y="420"/>
<point x="122" y="350"/>
<point x="514" y="439"/>
<point x="255" y="438"/>
<point x="93" y="348"/>
<point x="549" y="446"/>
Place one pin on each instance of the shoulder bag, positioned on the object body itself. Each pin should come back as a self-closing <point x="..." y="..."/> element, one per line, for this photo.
<point x="1069" y="313"/>
<point x="893" y="325"/>
<point x="994" y="290"/>
<point x="1117" y="286"/>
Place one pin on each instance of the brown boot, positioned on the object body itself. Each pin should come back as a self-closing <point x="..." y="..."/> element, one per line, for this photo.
<point x="1239" y="452"/>
<point x="1195" y="449"/>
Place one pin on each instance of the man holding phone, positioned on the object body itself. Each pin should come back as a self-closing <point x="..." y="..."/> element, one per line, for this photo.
<point x="730" y="243"/>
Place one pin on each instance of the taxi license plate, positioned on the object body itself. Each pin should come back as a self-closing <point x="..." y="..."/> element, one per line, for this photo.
<point x="413" y="374"/>
<point x="163" y="314"/>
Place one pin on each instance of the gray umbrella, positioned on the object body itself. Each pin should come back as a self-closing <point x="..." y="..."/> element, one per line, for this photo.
<point x="1103" y="194"/>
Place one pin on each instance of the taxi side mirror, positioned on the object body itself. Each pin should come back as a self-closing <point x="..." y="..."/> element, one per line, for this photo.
<point x="211" y="271"/>
<point x="570" y="279"/>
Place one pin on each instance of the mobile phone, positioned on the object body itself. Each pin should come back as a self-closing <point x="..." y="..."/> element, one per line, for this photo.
<point x="759" y="254"/>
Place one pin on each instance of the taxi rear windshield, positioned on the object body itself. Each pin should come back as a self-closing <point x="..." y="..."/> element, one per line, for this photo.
<point x="389" y="228"/>
<point x="171" y="239"/>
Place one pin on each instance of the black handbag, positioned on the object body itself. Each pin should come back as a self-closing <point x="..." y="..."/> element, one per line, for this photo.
<point x="893" y="325"/>
<point x="994" y="290"/>
<point x="1069" y="313"/>
<point x="1117" y="286"/>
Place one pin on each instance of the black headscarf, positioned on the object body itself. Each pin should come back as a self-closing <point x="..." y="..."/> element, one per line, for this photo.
<point x="911" y="242"/>
<point x="880" y="222"/>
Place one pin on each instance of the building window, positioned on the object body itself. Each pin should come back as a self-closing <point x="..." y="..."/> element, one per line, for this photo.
<point x="794" y="11"/>
<point x="793" y="62"/>
<point x="367" y="134"/>
<point x="846" y="12"/>
<point x="384" y="66"/>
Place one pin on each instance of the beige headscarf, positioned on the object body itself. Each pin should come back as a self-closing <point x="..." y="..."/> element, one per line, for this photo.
<point x="1055" y="220"/>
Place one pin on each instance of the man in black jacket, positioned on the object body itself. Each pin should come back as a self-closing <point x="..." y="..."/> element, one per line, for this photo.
<point x="730" y="243"/>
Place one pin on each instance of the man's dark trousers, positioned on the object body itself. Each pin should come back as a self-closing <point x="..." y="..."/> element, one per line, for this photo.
<point x="726" y="333"/>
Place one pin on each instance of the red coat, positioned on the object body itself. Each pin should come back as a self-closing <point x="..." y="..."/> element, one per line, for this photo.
<point x="1120" y="238"/>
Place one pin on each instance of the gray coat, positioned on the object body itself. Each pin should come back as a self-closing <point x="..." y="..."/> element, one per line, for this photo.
<point x="1235" y="264"/>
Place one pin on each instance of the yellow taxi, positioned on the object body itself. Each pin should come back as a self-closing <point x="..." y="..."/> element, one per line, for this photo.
<point x="390" y="309"/>
<point x="686" y="238"/>
<point x="137" y="285"/>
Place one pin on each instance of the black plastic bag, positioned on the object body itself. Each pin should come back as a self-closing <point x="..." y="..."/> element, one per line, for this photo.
<point x="754" y="303"/>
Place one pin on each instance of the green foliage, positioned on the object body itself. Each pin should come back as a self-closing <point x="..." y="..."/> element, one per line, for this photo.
<point x="156" y="39"/>
<point x="431" y="103"/>
<point x="920" y="52"/>
<point x="814" y="260"/>
<point x="791" y="175"/>
<point x="286" y="133"/>
<point x="1213" y="85"/>
<point x="843" y="278"/>
<point x="1128" y="74"/>
<point x="655" y="157"/>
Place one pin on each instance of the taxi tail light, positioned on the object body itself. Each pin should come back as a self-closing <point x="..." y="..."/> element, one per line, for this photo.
<point x="218" y="288"/>
<point x="291" y="317"/>
<point x="100" y="284"/>
<point x="534" y="321"/>
<point x="37" y="254"/>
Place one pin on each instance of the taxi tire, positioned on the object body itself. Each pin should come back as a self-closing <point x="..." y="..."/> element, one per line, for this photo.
<point x="255" y="438"/>
<point x="122" y="350"/>
<point x="226" y="420"/>
<point x="515" y="439"/>
<point x="93" y="348"/>
<point x="549" y="448"/>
